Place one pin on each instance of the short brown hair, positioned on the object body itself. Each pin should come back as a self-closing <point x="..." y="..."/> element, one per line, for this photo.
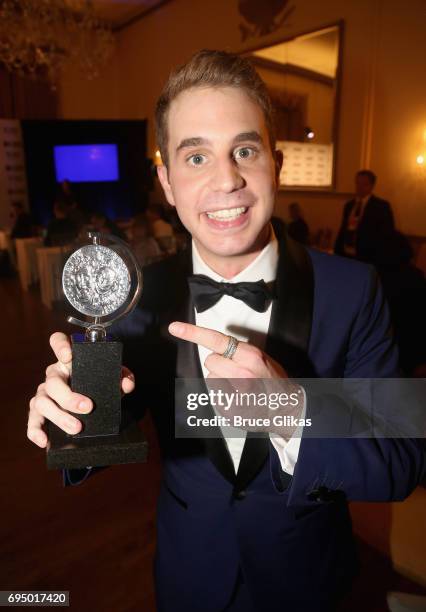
<point x="369" y="174"/>
<point x="212" y="69"/>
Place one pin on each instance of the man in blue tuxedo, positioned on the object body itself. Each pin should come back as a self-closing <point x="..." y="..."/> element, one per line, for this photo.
<point x="245" y="523"/>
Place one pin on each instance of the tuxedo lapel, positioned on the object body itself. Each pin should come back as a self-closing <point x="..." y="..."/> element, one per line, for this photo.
<point x="188" y="363"/>
<point x="188" y="366"/>
<point x="287" y="341"/>
<point x="291" y="318"/>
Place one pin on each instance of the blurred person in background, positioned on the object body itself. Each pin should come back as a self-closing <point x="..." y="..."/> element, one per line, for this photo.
<point x="100" y="223"/>
<point x="61" y="230"/>
<point x="143" y="245"/>
<point x="66" y="195"/>
<point x="64" y="192"/>
<point x="161" y="229"/>
<point x="297" y="228"/>
<point x="367" y="221"/>
<point x="77" y="215"/>
<point x="22" y="223"/>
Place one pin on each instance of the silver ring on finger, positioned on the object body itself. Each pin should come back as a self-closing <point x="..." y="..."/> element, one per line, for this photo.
<point x="229" y="352"/>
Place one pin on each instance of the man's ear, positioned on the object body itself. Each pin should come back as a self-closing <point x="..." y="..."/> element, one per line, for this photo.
<point x="163" y="177"/>
<point x="279" y="160"/>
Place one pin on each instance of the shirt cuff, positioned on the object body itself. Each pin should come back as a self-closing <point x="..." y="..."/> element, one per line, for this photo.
<point x="288" y="451"/>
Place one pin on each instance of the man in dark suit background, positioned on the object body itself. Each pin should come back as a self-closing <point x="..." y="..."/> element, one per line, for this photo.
<point x="367" y="222"/>
<point x="297" y="228"/>
<point x="255" y="524"/>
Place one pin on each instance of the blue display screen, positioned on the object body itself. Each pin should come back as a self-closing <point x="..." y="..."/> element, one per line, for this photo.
<point x="86" y="163"/>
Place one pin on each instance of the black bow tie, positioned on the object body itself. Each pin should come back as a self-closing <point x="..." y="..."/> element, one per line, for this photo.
<point x="206" y="292"/>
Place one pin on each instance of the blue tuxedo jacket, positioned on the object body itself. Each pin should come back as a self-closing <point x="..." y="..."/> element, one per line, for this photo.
<point x="289" y="537"/>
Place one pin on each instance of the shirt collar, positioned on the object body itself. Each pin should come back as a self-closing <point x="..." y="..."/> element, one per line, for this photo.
<point x="365" y="199"/>
<point x="263" y="267"/>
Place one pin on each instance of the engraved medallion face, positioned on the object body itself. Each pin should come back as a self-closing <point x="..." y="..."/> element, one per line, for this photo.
<point x="96" y="280"/>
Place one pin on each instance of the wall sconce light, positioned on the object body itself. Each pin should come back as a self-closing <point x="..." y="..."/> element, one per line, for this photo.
<point x="421" y="151"/>
<point x="157" y="158"/>
<point x="309" y="133"/>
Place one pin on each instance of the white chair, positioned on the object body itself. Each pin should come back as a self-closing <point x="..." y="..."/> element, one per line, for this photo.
<point x="6" y="244"/>
<point x="27" y="260"/>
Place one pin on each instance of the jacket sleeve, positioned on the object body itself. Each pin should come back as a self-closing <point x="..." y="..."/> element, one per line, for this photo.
<point x="338" y="245"/>
<point x="387" y="223"/>
<point x="364" y="469"/>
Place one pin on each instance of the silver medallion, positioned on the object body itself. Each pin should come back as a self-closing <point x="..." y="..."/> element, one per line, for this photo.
<point x="96" y="281"/>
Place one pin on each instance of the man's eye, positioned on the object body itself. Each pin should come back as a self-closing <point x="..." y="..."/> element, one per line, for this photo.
<point x="196" y="160"/>
<point x="244" y="153"/>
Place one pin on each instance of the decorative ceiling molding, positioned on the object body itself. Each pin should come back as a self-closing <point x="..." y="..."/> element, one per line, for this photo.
<point x="121" y="15"/>
<point x="262" y="18"/>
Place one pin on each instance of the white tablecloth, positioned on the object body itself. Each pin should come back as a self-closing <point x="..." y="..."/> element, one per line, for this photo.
<point x="6" y="244"/>
<point x="4" y="241"/>
<point x="27" y="260"/>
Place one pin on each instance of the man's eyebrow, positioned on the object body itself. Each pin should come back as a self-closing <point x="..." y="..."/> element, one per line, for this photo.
<point x="195" y="141"/>
<point x="248" y="136"/>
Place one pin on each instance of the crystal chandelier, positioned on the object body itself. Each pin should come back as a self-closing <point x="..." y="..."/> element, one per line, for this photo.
<point x="38" y="37"/>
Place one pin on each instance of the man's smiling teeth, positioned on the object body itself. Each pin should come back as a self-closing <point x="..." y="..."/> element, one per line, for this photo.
<point x="227" y="213"/>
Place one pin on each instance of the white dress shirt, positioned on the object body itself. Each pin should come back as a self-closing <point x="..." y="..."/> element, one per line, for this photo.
<point x="353" y="223"/>
<point x="232" y="316"/>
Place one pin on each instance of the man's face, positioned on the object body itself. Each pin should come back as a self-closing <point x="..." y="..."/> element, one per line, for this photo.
<point x="222" y="175"/>
<point x="363" y="185"/>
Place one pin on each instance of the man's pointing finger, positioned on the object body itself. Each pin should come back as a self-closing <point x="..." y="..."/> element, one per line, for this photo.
<point x="209" y="338"/>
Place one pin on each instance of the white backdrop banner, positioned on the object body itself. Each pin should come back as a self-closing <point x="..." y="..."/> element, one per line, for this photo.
<point x="306" y="164"/>
<point x="13" y="182"/>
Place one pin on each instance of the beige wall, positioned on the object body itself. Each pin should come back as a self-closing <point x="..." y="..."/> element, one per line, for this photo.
<point x="381" y="123"/>
<point x="382" y="116"/>
<point x="81" y="98"/>
<point x="399" y="111"/>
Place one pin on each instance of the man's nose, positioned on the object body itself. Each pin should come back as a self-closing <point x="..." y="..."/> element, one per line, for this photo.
<point x="226" y="176"/>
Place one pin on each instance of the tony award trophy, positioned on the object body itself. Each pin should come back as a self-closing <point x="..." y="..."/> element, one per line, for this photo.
<point x="101" y="280"/>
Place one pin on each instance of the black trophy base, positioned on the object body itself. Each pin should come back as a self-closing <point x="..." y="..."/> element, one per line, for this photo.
<point x="66" y="451"/>
<point x="96" y="373"/>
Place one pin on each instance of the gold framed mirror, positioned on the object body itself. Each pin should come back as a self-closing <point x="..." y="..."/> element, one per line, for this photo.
<point x="303" y="78"/>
